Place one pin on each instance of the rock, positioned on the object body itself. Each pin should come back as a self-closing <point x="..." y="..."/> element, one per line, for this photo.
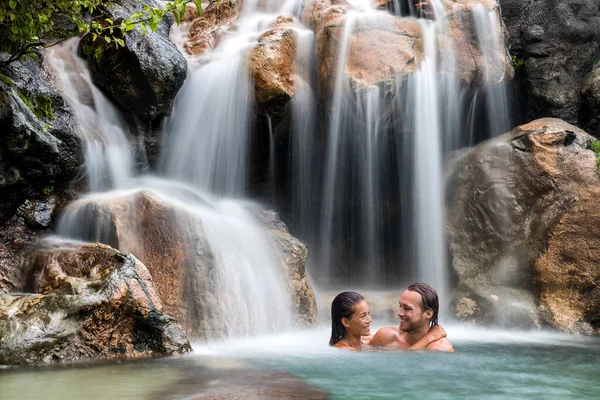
<point x="15" y="237"/>
<point x="470" y="59"/>
<point x="173" y="245"/>
<point x="465" y="308"/>
<point x="271" y="64"/>
<point x="568" y="271"/>
<point x="293" y="264"/>
<point x="381" y="49"/>
<point x="507" y="199"/>
<point x="145" y="75"/>
<point x="226" y="383"/>
<point x="89" y="302"/>
<point x="39" y="213"/>
<point x="217" y="18"/>
<point x="559" y="42"/>
<point x="39" y="146"/>
<point x="591" y="99"/>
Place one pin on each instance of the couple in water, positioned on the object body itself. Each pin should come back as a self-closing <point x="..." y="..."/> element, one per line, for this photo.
<point x="419" y="329"/>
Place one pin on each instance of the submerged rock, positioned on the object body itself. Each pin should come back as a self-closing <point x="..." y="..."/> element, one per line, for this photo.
<point x="519" y="220"/>
<point x="88" y="302"/>
<point x="145" y="75"/>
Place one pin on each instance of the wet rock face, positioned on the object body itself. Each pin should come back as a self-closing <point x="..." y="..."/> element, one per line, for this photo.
<point x="379" y="50"/>
<point x="519" y="217"/>
<point x="271" y="64"/>
<point x="559" y="42"/>
<point x="293" y="264"/>
<point x="87" y="302"/>
<point x="173" y="245"/>
<point x="471" y="64"/>
<point x="205" y="30"/>
<point x="145" y="75"/>
<point x="38" y="146"/>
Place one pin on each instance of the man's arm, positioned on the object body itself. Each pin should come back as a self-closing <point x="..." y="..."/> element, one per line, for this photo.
<point x="384" y="337"/>
<point x="441" y="345"/>
<point x="434" y="334"/>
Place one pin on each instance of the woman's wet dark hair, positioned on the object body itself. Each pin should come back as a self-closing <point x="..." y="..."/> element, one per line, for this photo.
<point x="342" y="307"/>
<point x="429" y="299"/>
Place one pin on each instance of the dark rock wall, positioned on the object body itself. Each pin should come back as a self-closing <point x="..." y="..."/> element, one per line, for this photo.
<point x="559" y="43"/>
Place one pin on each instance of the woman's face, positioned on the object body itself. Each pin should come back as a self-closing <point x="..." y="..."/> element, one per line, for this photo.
<point x="359" y="322"/>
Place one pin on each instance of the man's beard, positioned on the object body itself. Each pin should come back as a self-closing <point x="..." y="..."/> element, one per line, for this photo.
<point x="410" y="326"/>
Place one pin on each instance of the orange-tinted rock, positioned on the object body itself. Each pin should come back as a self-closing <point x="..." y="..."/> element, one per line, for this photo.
<point x="381" y="48"/>
<point x="568" y="272"/>
<point x="520" y="220"/>
<point x="216" y="19"/>
<point x="172" y="244"/>
<point x="470" y="60"/>
<point x="89" y="302"/>
<point x="271" y="64"/>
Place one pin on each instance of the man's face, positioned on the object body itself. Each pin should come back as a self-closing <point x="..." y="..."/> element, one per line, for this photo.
<point x="411" y="315"/>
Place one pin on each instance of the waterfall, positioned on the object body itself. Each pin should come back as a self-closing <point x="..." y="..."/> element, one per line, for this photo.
<point x="102" y="128"/>
<point x="233" y="286"/>
<point x="365" y="185"/>
<point x="429" y="185"/>
<point x="490" y="41"/>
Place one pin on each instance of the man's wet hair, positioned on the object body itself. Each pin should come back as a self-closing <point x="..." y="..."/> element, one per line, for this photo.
<point x="342" y="307"/>
<point x="429" y="300"/>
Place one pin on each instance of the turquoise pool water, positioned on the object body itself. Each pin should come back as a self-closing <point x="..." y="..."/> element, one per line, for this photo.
<point x="487" y="364"/>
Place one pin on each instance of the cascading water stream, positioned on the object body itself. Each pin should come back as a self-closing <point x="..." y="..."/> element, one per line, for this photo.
<point x="429" y="187"/>
<point x="239" y="291"/>
<point x="365" y="180"/>
<point x="496" y="97"/>
<point x="108" y="154"/>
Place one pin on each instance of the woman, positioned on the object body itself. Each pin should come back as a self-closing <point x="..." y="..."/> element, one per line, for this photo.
<point x="350" y="320"/>
<point x="351" y="324"/>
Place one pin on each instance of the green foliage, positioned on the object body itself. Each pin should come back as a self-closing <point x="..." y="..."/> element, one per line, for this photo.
<point x="29" y="24"/>
<point x="6" y="80"/>
<point x="22" y="207"/>
<point x="40" y="105"/>
<point x="516" y="61"/>
<point x="595" y="147"/>
<point x="49" y="188"/>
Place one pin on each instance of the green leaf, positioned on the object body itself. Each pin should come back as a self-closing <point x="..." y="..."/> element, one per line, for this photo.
<point x="107" y="39"/>
<point x="12" y="4"/>
<point x="43" y="18"/>
<point x="110" y="21"/>
<point x="198" y="4"/>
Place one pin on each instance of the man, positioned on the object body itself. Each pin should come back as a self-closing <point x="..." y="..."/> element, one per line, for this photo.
<point x="419" y="306"/>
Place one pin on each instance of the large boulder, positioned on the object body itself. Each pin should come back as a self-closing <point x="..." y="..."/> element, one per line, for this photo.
<point x="171" y="241"/>
<point x="381" y="48"/>
<point x="559" y="42"/>
<point x="39" y="148"/>
<point x="143" y="76"/>
<point x="87" y="302"/>
<point x="519" y="221"/>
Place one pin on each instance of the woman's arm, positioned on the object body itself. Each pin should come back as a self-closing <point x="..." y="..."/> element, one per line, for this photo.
<point x="435" y="333"/>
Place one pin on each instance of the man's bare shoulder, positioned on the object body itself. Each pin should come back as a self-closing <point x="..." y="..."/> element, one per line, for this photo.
<point x="386" y="336"/>
<point x="442" y="344"/>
